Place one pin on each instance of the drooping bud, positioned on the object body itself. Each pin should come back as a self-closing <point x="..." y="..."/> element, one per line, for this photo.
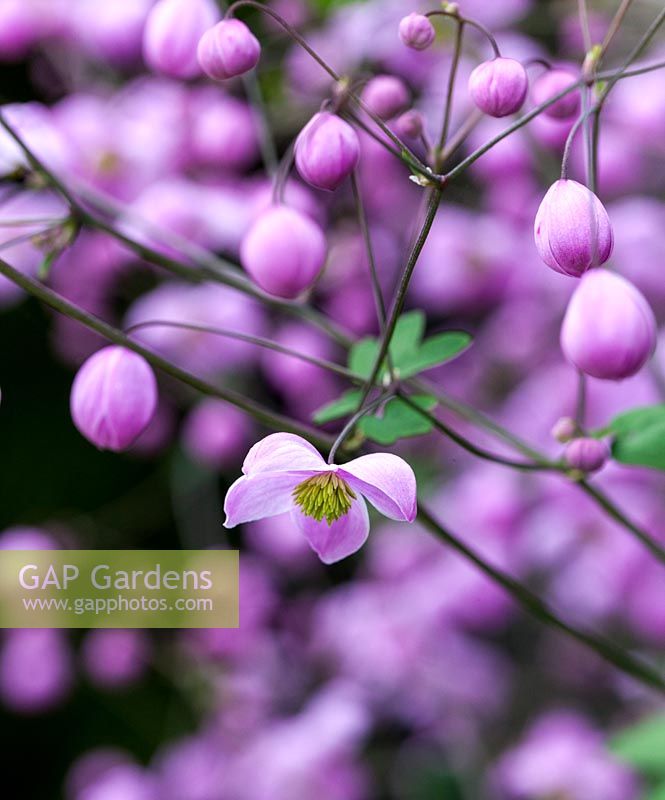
<point x="564" y="429"/>
<point x="171" y="35"/>
<point x="228" y="49"/>
<point x="572" y="229"/>
<point x="586" y="454"/>
<point x="386" y="95"/>
<point x="113" y="398"/>
<point x="416" y="31"/>
<point x="549" y="85"/>
<point x="327" y="151"/>
<point x="609" y="330"/>
<point x="499" y="87"/>
<point x="283" y="251"/>
<point x="410" y="124"/>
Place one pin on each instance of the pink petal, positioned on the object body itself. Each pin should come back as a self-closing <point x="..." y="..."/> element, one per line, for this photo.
<point x="261" y="495"/>
<point x="387" y="481"/>
<point x="334" y="542"/>
<point x="282" y="451"/>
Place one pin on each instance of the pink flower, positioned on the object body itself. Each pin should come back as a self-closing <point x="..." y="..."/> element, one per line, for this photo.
<point x="283" y="472"/>
<point x="499" y="87"/>
<point x="228" y="50"/>
<point x="327" y="151"/>
<point x="113" y="398"/>
<point x="572" y="230"/>
<point x="609" y="330"/>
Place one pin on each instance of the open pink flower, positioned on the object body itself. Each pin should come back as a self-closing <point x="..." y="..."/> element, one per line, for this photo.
<point x="284" y="473"/>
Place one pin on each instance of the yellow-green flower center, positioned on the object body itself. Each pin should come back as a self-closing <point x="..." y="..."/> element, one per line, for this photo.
<point x="324" y="496"/>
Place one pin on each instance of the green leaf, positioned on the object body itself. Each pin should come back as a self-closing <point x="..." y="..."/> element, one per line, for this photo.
<point x="408" y="335"/>
<point x="639" y="437"/>
<point x="406" y="339"/>
<point x="657" y="794"/>
<point x="435" y="351"/>
<point x="409" y="354"/>
<point x="398" y="420"/>
<point x="345" y="405"/>
<point x="643" y="746"/>
<point x="362" y="357"/>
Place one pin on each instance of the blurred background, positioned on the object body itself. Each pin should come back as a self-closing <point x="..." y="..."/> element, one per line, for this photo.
<point x="400" y="672"/>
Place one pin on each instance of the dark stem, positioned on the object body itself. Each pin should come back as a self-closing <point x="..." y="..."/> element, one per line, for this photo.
<point x="398" y="304"/>
<point x="450" y="92"/>
<point x="408" y="156"/>
<point x="470" y="447"/>
<point x="259" y="341"/>
<point x="350" y="425"/>
<point x="533" y="605"/>
<point x="256" y="410"/>
<point x="473" y="24"/>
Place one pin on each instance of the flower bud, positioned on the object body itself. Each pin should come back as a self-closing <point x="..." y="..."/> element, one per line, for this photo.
<point x="552" y="83"/>
<point x="416" y="31"/>
<point x="586" y="454"/>
<point x="386" y="96"/>
<point x="283" y="251"/>
<point x="228" y="50"/>
<point x="410" y="124"/>
<point x="564" y="429"/>
<point x="113" y="398"/>
<point x="327" y="151"/>
<point x="572" y="230"/>
<point x="172" y="32"/>
<point x="499" y="87"/>
<point x="609" y="330"/>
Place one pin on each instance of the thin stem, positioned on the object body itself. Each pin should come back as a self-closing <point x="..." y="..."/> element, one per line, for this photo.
<point x="604" y="502"/>
<point x="450" y="91"/>
<point x="537" y="607"/>
<point x="520" y="123"/>
<point x="254" y="409"/>
<point x="408" y="155"/>
<point x="350" y="425"/>
<point x="472" y="22"/>
<point x="470" y="447"/>
<point x="206" y="266"/>
<point x="630" y="73"/>
<point x="470" y="414"/>
<point x="583" y="14"/>
<point x="367" y="241"/>
<point x="608" y="506"/>
<point x="569" y="144"/>
<point x="634" y="54"/>
<point x="353" y="117"/>
<point x="398" y="305"/>
<point x="615" y="25"/>
<point x="259" y="341"/>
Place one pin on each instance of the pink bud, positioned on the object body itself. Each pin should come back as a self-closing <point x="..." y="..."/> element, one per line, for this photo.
<point x="552" y="83"/>
<point x="499" y="87"/>
<point x="284" y="251"/>
<point x="586" y="454"/>
<point x="416" y="31"/>
<point x="171" y="35"/>
<point x="228" y="50"/>
<point x="410" y="124"/>
<point x="113" y="398"/>
<point x="327" y="151"/>
<point x="386" y="95"/>
<point x="572" y="230"/>
<point x="609" y="330"/>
